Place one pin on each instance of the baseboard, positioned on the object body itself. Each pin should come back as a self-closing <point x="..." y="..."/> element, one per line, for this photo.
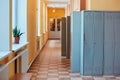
<point x="54" y="38"/>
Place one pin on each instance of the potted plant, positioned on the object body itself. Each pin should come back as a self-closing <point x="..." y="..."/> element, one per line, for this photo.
<point x="16" y="35"/>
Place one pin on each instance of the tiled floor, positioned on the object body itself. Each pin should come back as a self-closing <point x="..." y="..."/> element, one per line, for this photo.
<point x="49" y="65"/>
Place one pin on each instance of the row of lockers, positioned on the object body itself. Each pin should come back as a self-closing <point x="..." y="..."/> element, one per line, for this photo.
<point x="95" y="45"/>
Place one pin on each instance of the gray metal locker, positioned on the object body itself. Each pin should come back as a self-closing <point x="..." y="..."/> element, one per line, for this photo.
<point x="63" y="37"/>
<point x="68" y="37"/>
<point x="75" y="41"/>
<point x="95" y="42"/>
<point x="92" y="43"/>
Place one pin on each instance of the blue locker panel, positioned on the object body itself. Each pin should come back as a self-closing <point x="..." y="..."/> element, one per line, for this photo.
<point x="82" y="44"/>
<point x="88" y="43"/>
<point x="98" y="43"/>
<point x="108" y="43"/>
<point x="75" y="45"/>
<point x="116" y="23"/>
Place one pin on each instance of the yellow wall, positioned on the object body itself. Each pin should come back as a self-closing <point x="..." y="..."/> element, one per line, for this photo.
<point x="32" y="33"/>
<point x="43" y="23"/>
<point x="32" y="6"/>
<point x="103" y="4"/>
<point x="59" y="12"/>
<point x="41" y="15"/>
<point x="93" y="5"/>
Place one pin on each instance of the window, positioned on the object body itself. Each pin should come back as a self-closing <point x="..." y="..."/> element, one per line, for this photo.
<point x="19" y="17"/>
<point x="38" y="18"/>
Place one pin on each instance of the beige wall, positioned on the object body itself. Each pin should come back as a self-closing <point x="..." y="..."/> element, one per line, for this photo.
<point x="103" y="4"/>
<point x="112" y="5"/>
<point x="32" y="6"/>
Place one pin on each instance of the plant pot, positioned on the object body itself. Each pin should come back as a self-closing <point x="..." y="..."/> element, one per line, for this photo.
<point x="16" y="40"/>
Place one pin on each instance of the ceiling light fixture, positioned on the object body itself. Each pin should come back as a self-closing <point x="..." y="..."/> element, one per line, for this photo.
<point x="53" y="10"/>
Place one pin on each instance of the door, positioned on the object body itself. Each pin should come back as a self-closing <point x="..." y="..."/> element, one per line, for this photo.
<point x="98" y="43"/>
<point x="108" y="43"/>
<point x="116" y="23"/>
<point x="88" y="42"/>
<point x="93" y="43"/>
<point x="54" y="28"/>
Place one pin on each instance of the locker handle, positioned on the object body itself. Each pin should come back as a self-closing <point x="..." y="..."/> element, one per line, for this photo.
<point x="84" y="37"/>
<point x="94" y="42"/>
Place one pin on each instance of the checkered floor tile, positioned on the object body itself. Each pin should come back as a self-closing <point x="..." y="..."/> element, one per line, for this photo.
<point x="49" y="65"/>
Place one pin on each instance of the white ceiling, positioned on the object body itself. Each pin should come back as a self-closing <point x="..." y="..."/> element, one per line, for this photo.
<point x="57" y="3"/>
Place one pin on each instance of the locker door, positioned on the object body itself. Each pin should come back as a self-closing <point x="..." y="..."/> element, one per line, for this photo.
<point x="88" y="43"/>
<point x="108" y="43"/>
<point x="116" y="19"/>
<point x="98" y="43"/>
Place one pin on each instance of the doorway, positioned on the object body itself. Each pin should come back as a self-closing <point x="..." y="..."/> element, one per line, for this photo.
<point x="54" y="28"/>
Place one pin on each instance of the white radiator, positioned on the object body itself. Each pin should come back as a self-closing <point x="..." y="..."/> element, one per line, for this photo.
<point x="3" y="73"/>
<point x="41" y="45"/>
<point x="24" y="61"/>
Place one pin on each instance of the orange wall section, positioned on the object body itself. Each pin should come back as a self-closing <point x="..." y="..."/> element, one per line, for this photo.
<point x="59" y="12"/>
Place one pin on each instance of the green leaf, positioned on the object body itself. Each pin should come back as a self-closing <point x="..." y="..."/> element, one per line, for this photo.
<point x="16" y="32"/>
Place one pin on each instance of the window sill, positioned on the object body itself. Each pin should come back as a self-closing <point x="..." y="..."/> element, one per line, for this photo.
<point x="16" y="47"/>
<point x="4" y="54"/>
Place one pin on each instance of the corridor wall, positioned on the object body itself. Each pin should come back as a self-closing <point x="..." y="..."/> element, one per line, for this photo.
<point x="95" y="42"/>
